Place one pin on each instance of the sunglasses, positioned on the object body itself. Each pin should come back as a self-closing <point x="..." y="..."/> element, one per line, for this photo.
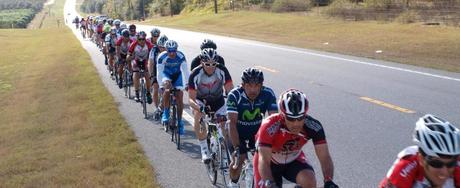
<point x="439" y="164"/>
<point x="156" y="36"/>
<point x="210" y="64"/>
<point x="141" y="39"/>
<point x="301" y="118"/>
<point x="172" y="50"/>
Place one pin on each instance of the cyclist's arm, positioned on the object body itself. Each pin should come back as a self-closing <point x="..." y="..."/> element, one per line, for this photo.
<point x="234" y="136"/>
<point x="192" y="99"/>
<point x="160" y="71"/>
<point x="129" y="58"/>
<point x="324" y="157"/>
<point x="265" y="156"/>
<point x="117" y="47"/>
<point x="185" y="72"/>
<point x="228" y="79"/>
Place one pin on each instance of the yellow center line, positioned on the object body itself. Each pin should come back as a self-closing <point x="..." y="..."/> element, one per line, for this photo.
<point x="265" y="68"/>
<point x="391" y="106"/>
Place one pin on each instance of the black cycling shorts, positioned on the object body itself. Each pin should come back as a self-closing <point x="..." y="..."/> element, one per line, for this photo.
<point x="288" y="171"/>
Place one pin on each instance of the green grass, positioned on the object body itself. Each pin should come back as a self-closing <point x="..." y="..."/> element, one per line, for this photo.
<point x="60" y="126"/>
<point x="16" y="18"/>
<point x="435" y="47"/>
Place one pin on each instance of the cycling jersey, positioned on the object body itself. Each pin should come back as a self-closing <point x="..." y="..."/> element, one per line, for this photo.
<point x="197" y="60"/>
<point x="250" y="113"/>
<point x="286" y="147"/>
<point x="209" y="88"/>
<point x="140" y="53"/>
<point x="153" y="58"/>
<point x="288" y="158"/>
<point x="407" y="172"/>
<point x="124" y="46"/>
<point x="111" y="42"/>
<point x="133" y="37"/>
<point x="107" y="28"/>
<point x="173" y="69"/>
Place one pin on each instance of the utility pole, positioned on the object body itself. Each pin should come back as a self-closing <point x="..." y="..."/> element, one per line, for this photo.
<point x="170" y="8"/>
<point x="215" y="6"/>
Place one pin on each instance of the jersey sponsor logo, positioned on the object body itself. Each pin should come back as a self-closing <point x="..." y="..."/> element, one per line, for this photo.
<point x="405" y="172"/>
<point x="249" y="116"/>
<point x="209" y="85"/>
<point x="272" y="129"/>
<point x="313" y="125"/>
<point x="291" y="145"/>
<point x="231" y="103"/>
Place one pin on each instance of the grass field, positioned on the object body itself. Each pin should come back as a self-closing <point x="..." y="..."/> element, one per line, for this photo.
<point x="435" y="47"/>
<point x="60" y="126"/>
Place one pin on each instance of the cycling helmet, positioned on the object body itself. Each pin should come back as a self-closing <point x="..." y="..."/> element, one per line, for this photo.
<point x="155" y="32"/>
<point x="208" y="43"/>
<point x="293" y="104"/>
<point x="104" y="20"/>
<point x="162" y="40"/>
<point x="123" y="26"/>
<point x="252" y="75"/>
<point x="141" y="35"/>
<point x="113" y="30"/>
<point x="208" y="54"/>
<point x="132" y="26"/>
<point x="110" y="21"/>
<point x="436" y="136"/>
<point x="100" y="22"/>
<point x="117" y="22"/>
<point x="171" y="45"/>
<point x="125" y="33"/>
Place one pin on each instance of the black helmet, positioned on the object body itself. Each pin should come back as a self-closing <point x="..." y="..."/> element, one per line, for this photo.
<point x="141" y="35"/>
<point x="208" y="54"/>
<point x="208" y="43"/>
<point x="252" y="75"/>
<point x="125" y="33"/>
<point x="132" y="26"/>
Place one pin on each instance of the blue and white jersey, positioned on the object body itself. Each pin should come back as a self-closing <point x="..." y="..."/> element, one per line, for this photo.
<point x="171" y="69"/>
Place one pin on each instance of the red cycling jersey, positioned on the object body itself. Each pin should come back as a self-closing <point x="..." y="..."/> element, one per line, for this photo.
<point x="287" y="147"/>
<point x="140" y="53"/>
<point x="407" y="172"/>
<point x="124" y="47"/>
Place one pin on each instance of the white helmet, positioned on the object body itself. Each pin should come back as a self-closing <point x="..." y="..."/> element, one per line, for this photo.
<point x="436" y="136"/>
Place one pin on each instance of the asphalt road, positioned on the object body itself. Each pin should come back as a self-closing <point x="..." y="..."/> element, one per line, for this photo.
<point x="367" y="107"/>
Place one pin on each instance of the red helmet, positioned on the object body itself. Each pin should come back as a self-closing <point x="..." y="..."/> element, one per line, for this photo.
<point x="293" y="104"/>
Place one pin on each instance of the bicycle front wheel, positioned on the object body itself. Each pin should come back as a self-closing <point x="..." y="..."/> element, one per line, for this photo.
<point x="144" y="100"/>
<point x="224" y="162"/>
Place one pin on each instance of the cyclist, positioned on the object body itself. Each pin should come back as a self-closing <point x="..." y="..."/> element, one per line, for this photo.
<point x="110" y="48"/>
<point x="139" y="53"/>
<point x="172" y="73"/>
<point x="132" y="32"/>
<point x="117" y="24"/>
<point x="246" y="105"/>
<point x="279" y="145"/>
<point x="76" y="21"/>
<point x="206" y="88"/>
<point x="156" y="50"/>
<point x="433" y="162"/>
<point x="122" y="47"/>
<point x="155" y="32"/>
<point x="207" y="43"/>
<point x="100" y="31"/>
<point x="83" y="25"/>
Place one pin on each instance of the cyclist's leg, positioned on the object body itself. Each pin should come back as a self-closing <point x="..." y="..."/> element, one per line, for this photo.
<point x="200" y="134"/>
<point x="147" y="84"/>
<point x="121" y="65"/>
<point x="165" y="100"/>
<point x="136" y="78"/>
<point x="300" y="172"/>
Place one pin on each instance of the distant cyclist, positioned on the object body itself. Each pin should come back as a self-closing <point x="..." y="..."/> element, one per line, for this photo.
<point x="139" y="54"/>
<point x="76" y="21"/>
<point x="207" y="43"/>
<point x="132" y="32"/>
<point x="207" y="84"/>
<point x="433" y="162"/>
<point x="246" y="106"/>
<point x="279" y="145"/>
<point x="153" y="57"/>
<point x="172" y="72"/>
<point x="110" y="48"/>
<point x="122" y="47"/>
